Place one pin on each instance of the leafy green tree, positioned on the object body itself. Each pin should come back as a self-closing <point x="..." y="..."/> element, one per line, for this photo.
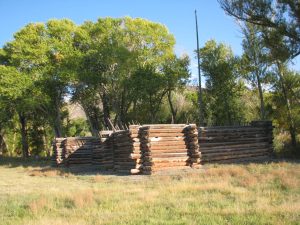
<point x="45" y="53"/>
<point x="278" y="25"/>
<point x="16" y="97"/>
<point x="176" y="73"/>
<point x="287" y="94"/>
<point x="255" y="61"/>
<point x="61" y="55"/>
<point x="220" y="69"/>
<point x="112" y="51"/>
<point x="148" y="88"/>
<point x="275" y="18"/>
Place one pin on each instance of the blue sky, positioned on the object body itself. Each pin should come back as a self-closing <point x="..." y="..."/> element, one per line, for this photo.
<point x="177" y="15"/>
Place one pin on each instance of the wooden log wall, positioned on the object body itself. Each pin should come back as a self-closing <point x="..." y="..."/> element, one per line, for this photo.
<point x="191" y="140"/>
<point x="165" y="146"/>
<point x="103" y="156"/>
<point x="58" y="151"/>
<point x="149" y="148"/>
<point x="83" y="152"/>
<point x="126" y="149"/>
<point x="79" y="151"/>
<point x="236" y="143"/>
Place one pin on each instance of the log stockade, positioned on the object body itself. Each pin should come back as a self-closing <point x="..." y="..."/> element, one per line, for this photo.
<point x="235" y="144"/>
<point x="145" y="149"/>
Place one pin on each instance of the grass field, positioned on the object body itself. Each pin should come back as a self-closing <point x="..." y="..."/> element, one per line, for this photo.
<point x="31" y="193"/>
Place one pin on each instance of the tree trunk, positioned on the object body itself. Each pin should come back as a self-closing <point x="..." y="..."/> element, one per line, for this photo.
<point x="152" y="110"/>
<point x="292" y="128"/>
<point x="92" y="115"/>
<point x="25" y="146"/>
<point x="93" y="128"/>
<point x="14" y="142"/>
<point x="122" y="110"/>
<point x="45" y="141"/>
<point x="57" y="122"/>
<point x="261" y="97"/>
<point x="3" y="146"/>
<point x="172" y="107"/>
<point x="106" y="110"/>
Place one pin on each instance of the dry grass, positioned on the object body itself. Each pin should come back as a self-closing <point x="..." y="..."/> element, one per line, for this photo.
<point x="232" y="171"/>
<point x="99" y="178"/>
<point x="49" y="172"/>
<point x="83" y="198"/>
<point x="217" y="194"/>
<point x="39" y="204"/>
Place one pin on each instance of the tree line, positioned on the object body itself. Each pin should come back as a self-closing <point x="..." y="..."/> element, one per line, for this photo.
<point x="125" y="70"/>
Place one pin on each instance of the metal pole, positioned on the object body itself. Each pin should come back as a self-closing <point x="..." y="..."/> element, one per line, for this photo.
<point x="199" y="76"/>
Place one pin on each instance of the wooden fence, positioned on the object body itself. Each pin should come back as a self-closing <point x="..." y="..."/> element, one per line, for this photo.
<point x="149" y="148"/>
<point x="236" y="143"/>
<point x="168" y="146"/>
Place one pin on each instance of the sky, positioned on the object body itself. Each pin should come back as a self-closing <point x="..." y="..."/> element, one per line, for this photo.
<point x="177" y="15"/>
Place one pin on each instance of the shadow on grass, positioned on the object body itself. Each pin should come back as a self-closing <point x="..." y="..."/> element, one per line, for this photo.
<point x="13" y="162"/>
<point x="42" y="166"/>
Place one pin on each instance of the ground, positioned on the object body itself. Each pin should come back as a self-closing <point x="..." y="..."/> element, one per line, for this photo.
<point x="33" y="193"/>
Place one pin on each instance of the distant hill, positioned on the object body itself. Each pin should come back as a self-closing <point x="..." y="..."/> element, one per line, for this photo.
<point x="76" y="111"/>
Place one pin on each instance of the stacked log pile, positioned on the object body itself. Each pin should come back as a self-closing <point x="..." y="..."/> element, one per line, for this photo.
<point x="58" y="155"/>
<point x="235" y="144"/>
<point x="126" y="148"/>
<point x="191" y="141"/>
<point x="164" y="146"/>
<point x="78" y="151"/>
<point x="149" y="148"/>
<point x="103" y="154"/>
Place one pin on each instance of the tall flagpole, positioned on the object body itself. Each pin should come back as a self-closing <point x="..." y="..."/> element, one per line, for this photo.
<point x="199" y="77"/>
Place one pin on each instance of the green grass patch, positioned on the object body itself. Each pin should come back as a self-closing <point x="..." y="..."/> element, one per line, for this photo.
<point x="217" y="194"/>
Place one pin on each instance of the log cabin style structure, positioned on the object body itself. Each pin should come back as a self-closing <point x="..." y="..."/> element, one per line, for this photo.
<point x="144" y="149"/>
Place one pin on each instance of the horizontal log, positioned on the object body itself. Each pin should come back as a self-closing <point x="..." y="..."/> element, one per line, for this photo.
<point x="230" y="143"/>
<point x="234" y="145"/>
<point x="169" y="126"/>
<point x="255" y="139"/>
<point x="169" y="150"/>
<point x="155" y="139"/>
<point x="151" y="135"/>
<point x="166" y="147"/>
<point x="236" y="152"/>
<point x="168" y="143"/>
<point x="233" y="156"/>
<point x="135" y="171"/>
<point x="170" y="159"/>
<point x="217" y="128"/>
<point x="228" y="149"/>
<point x="132" y="163"/>
<point x="165" y="164"/>
<point x="135" y="144"/>
<point x="228" y="137"/>
<point x="165" y="155"/>
<point x="233" y="131"/>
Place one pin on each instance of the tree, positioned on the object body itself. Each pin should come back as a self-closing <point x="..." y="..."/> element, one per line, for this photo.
<point x="287" y="86"/>
<point x="255" y="61"/>
<point x="112" y="51"/>
<point x="177" y="74"/>
<point x="220" y="68"/>
<point x="274" y="18"/>
<point x="45" y="52"/>
<point x="13" y="87"/>
<point x="148" y="89"/>
<point x="59" y="72"/>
